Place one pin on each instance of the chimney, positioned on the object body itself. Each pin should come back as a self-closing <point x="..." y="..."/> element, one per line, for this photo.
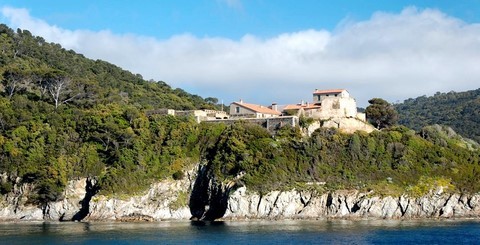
<point x="274" y="106"/>
<point x="241" y="101"/>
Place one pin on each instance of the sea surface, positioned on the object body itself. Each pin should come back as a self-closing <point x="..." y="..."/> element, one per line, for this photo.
<point x="244" y="232"/>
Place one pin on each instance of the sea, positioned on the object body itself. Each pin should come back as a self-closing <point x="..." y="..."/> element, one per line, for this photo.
<point x="245" y="232"/>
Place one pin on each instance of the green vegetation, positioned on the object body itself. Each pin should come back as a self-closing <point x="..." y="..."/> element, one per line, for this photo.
<point x="392" y="161"/>
<point x="64" y="116"/>
<point x="425" y="184"/>
<point x="381" y="114"/>
<point x="459" y="110"/>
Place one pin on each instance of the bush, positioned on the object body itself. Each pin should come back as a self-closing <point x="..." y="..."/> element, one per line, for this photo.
<point x="179" y="175"/>
<point x="5" y="187"/>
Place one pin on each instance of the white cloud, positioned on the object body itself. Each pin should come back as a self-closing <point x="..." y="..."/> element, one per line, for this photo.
<point x="393" y="56"/>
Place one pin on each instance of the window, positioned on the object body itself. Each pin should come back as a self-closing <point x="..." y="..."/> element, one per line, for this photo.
<point x="237" y="109"/>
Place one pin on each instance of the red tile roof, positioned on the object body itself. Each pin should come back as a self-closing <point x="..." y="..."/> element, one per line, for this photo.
<point x="257" y="108"/>
<point x="329" y="91"/>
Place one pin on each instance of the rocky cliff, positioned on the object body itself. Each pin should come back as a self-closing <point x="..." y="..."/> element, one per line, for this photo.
<point x="164" y="200"/>
<point x="209" y="197"/>
<point x="204" y="198"/>
<point x="350" y="204"/>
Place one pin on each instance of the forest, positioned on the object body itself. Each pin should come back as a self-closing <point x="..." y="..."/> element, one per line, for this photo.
<point x="459" y="110"/>
<point x="64" y="116"/>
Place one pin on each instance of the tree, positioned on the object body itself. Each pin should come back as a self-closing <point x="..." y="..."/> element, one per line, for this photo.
<point x="381" y="114"/>
<point x="14" y="79"/>
<point x="211" y="100"/>
<point x="59" y="87"/>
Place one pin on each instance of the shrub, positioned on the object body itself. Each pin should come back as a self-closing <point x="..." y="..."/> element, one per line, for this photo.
<point x="179" y="175"/>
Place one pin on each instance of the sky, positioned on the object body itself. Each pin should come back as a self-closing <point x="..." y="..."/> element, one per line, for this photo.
<point x="265" y="51"/>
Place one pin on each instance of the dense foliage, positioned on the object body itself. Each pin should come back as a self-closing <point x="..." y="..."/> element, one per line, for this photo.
<point x="390" y="161"/>
<point x="381" y="114"/>
<point x="65" y="116"/>
<point x="41" y="71"/>
<point x="459" y="110"/>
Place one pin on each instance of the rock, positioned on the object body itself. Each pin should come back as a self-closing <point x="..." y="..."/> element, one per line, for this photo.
<point x="403" y="204"/>
<point x="287" y="204"/>
<point x="135" y="217"/>
<point x="391" y="208"/>
<point x="155" y="203"/>
<point x="168" y="199"/>
<point x="376" y="207"/>
<point x="474" y="202"/>
<point x="239" y="206"/>
<point x="209" y="197"/>
<point x="316" y="207"/>
<point x="266" y="203"/>
<point x="447" y="210"/>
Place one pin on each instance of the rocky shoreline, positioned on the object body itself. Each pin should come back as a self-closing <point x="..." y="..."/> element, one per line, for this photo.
<point x="168" y="200"/>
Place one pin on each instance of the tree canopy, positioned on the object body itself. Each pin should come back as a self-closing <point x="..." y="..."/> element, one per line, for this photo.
<point x="64" y="116"/>
<point x="459" y="110"/>
<point x="392" y="161"/>
<point x="381" y="114"/>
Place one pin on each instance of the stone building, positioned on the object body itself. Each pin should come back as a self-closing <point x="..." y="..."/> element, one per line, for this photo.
<point x="245" y="110"/>
<point x="331" y="108"/>
<point x="327" y="104"/>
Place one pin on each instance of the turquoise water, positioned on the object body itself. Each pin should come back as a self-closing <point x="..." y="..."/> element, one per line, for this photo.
<point x="245" y="232"/>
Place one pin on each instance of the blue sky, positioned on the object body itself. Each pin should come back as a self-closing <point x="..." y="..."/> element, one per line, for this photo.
<point x="224" y="18"/>
<point x="267" y="51"/>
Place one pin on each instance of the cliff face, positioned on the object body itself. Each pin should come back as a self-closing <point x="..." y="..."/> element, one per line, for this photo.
<point x="350" y="204"/>
<point x="209" y="197"/>
<point x="203" y="198"/>
<point x="164" y="200"/>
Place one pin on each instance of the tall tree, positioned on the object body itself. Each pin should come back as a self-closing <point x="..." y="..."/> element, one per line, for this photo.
<point x="381" y="114"/>
<point x="60" y="87"/>
<point x="14" y="79"/>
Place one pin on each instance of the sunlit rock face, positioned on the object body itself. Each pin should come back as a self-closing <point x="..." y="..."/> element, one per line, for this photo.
<point x="200" y="196"/>
<point x="349" y="205"/>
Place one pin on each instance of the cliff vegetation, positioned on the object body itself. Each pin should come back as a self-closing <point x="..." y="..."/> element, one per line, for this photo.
<point x="392" y="161"/>
<point x="64" y="116"/>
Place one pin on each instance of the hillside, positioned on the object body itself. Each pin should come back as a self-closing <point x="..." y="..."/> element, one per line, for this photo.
<point x="458" y="110"/>
<point x="66" y="117"/>
<point x="391" y="161"/>
<point x="28" y="65"/>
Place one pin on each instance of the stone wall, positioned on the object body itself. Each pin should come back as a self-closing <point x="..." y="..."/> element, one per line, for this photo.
<point x="271" y="124"/>
<point x="336" y="108"/>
